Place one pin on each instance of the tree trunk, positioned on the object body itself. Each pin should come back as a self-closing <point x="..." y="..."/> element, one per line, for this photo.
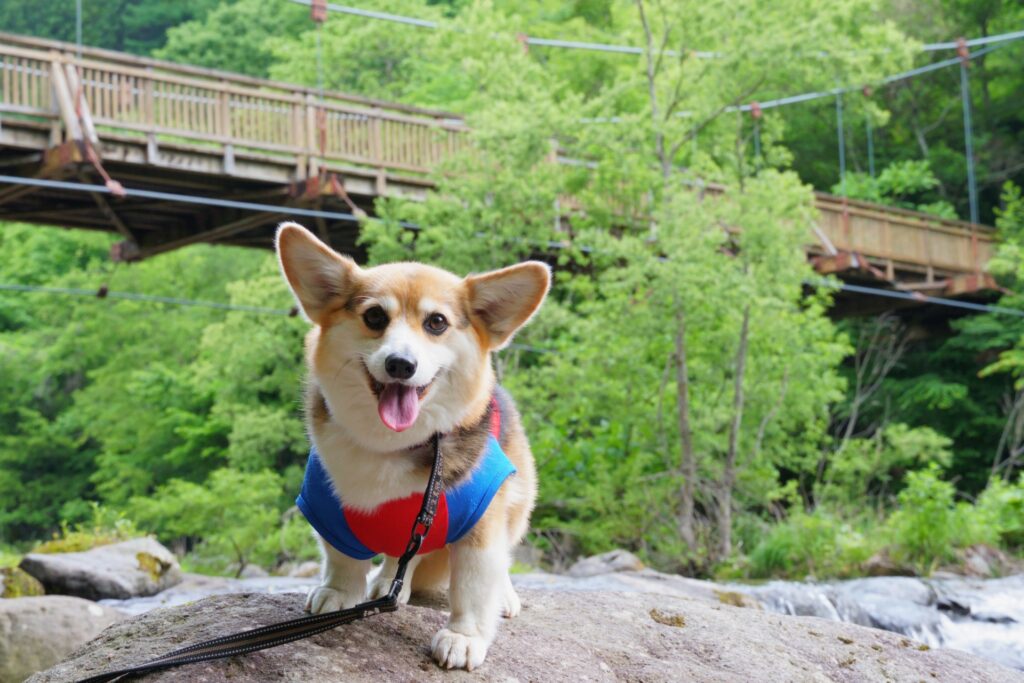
<point x="729" y="471"/>
<point x="688" y="463"/>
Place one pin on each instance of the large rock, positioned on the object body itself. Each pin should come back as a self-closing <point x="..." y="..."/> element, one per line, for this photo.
<point x="984" y="561"/>
<point x="129" y="569"/>
<point x="38" y="632"/>
<point x="306" y="570"/>
<point x="882" y="564"/>
<point x="606" y="563"/>
<point x="560" y="636"/>
<point x="643" y="581"/>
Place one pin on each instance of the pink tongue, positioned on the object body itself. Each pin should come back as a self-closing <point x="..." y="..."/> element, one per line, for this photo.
<point x="398" y="406"/>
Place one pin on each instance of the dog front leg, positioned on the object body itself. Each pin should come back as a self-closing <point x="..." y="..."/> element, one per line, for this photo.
<point x="478" y="581"/>
<point x="343" y="581"/>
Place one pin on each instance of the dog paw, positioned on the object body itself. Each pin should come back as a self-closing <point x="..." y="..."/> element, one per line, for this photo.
<point x="381" y="585"/>
<point x="510" y="604"/>
<point x="327" y="599"/>
<point x="457" y="651"/>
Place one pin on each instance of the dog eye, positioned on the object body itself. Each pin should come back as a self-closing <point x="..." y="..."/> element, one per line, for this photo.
<point x="436" y="324"/>
<point x="376" y="318"/>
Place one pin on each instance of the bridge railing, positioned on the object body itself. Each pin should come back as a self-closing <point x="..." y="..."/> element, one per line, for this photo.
<point x="903" y="240"/>
<point x="25" y="83"/>
<point x="127" y="95"/>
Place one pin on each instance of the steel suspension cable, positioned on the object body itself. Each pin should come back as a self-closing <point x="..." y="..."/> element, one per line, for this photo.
<point x="841" y="136"/>
<point x="190" y="199"/>
<point x="626" y="49"/>
<point x="262" y="310"/>
<point x="965" y="97"/>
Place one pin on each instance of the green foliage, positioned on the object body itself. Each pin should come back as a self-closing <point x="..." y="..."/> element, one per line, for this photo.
<point x="873" y="468"/>
<point x="137" y="26"/>
<point x="816" y="544"/>
<point x="927" y="527"/>
<point x="187" y="419"/>
<point x="369" y="58"/>
<point x="236" y="36"/>
<point x="902" y="183"/>
<point x="106" y="526"/>
<point x="1001" y="508"/>
<point x="9" y="557"/>
<point x="234" y="513"/>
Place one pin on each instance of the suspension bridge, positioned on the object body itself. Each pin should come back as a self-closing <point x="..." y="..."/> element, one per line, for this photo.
<point x="168" y="155"/>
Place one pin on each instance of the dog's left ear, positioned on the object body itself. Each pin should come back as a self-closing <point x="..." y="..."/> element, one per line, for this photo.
<point x="504" y="300"/>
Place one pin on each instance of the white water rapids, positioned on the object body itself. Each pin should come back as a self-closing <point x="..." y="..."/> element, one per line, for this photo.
<point x="982" y="616"/>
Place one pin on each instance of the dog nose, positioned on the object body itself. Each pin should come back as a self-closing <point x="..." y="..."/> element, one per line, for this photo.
<point x="400" y="367"/>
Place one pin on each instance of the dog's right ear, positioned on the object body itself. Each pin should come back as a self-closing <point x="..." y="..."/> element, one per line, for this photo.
<point x="318" y="275"/>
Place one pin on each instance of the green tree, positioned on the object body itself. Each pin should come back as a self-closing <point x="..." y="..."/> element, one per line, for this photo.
<point x="236" y="36"/>
<point x="136" y="26"/>
<point x="233" y="513"/>
<point x="634" y="330"/>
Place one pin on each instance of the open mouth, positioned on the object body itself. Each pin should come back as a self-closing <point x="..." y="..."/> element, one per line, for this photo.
<point x="398" y="404"/>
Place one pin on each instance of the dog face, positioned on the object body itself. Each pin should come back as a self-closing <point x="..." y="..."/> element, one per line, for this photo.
<point x="401" y="351"/>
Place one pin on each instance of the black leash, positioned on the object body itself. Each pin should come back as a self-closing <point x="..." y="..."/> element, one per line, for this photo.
<point x="303" y="627"/>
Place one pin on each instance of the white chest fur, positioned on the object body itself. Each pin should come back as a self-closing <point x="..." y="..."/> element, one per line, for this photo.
<point x="364" y="479"/>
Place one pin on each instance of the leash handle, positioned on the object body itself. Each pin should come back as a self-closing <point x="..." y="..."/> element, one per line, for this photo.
<point x="302" y="627"/>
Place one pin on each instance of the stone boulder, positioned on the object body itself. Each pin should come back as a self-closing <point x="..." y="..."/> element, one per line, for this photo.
<point x="882" y="564"/>
<point x="606" y="563"/>
<point x="560" y="636"/>
<point x="128" y="569"/>
<point x="252" y="571"/>
<point x="305" y="570"/>
<point x="38" y="632"/>
<point x="984" y="561"/>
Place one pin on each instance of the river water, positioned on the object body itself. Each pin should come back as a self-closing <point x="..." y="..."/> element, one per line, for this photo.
<point x="982" y="616"/>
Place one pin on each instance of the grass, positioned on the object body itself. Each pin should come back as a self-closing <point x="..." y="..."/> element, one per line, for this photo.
<point x="9" y="557"/>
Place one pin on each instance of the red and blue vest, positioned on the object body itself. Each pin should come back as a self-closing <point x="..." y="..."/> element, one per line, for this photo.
<point x="385" y="529"/>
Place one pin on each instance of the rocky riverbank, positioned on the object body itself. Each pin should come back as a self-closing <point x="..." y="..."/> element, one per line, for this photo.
<point x="608" y="612"/>
<point x="560" y="636"/>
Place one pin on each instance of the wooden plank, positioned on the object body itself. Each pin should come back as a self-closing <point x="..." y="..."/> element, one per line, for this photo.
<point x="5" y="80"/>
<point x="67" y="107"/>
<point x="33" y="85"/>
<point x="197" y="137"/>
<point x="82" y="109"/>
<point x="23" y="82"/>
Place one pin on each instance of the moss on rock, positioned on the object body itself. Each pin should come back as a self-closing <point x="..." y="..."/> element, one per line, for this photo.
<point x="17" y="583"/>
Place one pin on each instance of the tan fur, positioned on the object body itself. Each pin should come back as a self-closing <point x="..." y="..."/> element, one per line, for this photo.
<point x="433" y="573"/>
<point x="369" y="464"/>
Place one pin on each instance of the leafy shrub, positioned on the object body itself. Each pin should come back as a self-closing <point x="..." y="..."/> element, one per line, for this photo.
<point x="233" y="516"/>
<point x="902" y="183"/>
<point x="875" y="466"/>
<point x="928" y="526"/>
<point x="106" y="526"/>
<point x="805" y="544"/>
<point x="1001" y="509"/>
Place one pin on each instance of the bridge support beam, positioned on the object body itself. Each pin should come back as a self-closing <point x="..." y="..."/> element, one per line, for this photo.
<point x="107" y="211"/>
<point x="218" y="233"/>
<point x="55" y="163"/>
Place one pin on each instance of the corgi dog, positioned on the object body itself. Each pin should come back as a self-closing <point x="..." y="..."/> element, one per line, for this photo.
<point x="398" y="353"/>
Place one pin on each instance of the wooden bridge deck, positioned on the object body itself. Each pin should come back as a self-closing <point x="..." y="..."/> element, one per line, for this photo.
<point x="173" y="128"/>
